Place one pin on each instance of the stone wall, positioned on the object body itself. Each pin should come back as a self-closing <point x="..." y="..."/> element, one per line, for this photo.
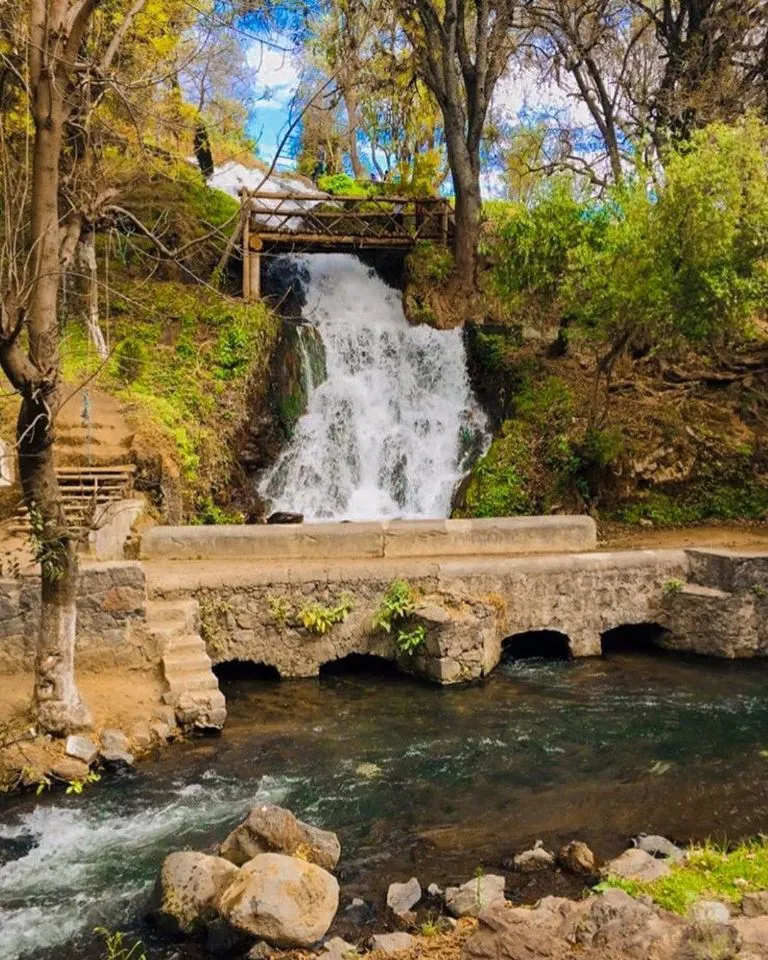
<point x="467" y="607"/>
<point x="111" y="611"/>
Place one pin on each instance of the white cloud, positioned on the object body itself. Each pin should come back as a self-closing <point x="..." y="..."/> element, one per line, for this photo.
<point x="275" y="73"/>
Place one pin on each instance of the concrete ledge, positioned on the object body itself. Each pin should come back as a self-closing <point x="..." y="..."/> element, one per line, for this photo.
<point x="508" y="536"/>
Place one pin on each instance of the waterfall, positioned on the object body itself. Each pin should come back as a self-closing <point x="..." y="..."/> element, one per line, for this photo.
<point x="392" y="428"/>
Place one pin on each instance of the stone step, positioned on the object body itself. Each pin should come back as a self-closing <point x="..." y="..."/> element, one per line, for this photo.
<point x="186" y="646"/>
<point x="188" y="681"/>
<point x="169" y="618"/>
<point x="705" y="593"/>
<point x="175" y="663"/>
<point x="735" y="571"/>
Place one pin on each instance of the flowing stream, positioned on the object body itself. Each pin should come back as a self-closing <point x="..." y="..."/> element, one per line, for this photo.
<point x="417" y="780"/>
<point x="393" y="426"/>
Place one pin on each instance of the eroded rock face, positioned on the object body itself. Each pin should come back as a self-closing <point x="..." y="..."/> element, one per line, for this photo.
<point x="285" y="901"/>
<point x="272" y="829"/>
<point x="472" y="897"/>
<point x="188" y="890"/>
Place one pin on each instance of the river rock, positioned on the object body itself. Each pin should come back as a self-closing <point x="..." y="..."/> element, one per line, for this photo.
<point x="391" y="943"/>
<point x="658" y="847"/>
<point x="576" y="857"/>
<point x="187" y="893"/>
<point x="475" y="895"/>
<point x="755" y="904"/>
<point x="358" y="911"/>
<point x="260" y="950"/>
<point x="272" y="829"/>
<point x="617" y="925"/>
<point x="338" y="949"/>
<point x="433" y="890"/>
<point x="536" y="858"/>
<point x="69" y="769"/>
<point x="141" y="735"/>
<point x="754" y="934"/>
<point x="709" y="911"/>
<point x="284" y="900"/>
<point x="113" y="739"/>
<point x="81" y="748"/>
<point x="401" y="897"/>
<point x="636" y="864"/>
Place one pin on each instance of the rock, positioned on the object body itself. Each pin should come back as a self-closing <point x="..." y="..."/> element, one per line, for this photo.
<point x="224" y="940"/>
<point x="636" y="864"/>
<point x="658" y="847"/>
<point x="616" y="925"/>
<point x="165" y="713"/>
<point x="358" y="911"/>
<point x="260" y="950"/>
<point x="286" y="901"/>
<point x="272" y="829"/>
<point x="391" y="943"/>
<point x="114" y="741"/>
<point x="434" y="891"/>
<point x="160" y="730"/>
<point x="755" y="904"/>
<point x="576" y="857"/>
<point x="187" y="893"/>
<point x="118" y="758"/>
<point x="475" y="895"/>
<point x="534" y="859"/>
<point x="141" y="735"/>
<point x="338" y="949"/>
<point x="401" y="897"/>
<point x="283" y="516"/>
<point x="69" y="769"/>
<point x="710" y="941"/>
<point x="709" y="911"/>
<point x="522" y="933"/>
<point x="81" y="748"/>
<point x="754" y="934"/>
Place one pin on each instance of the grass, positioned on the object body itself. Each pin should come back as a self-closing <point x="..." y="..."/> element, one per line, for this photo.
<point x="709" y="873"/>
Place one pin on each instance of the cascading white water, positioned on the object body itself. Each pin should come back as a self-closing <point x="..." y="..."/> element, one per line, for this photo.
<point x="389" y="432"/>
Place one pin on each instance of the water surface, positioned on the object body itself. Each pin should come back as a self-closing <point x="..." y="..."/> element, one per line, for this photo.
<point x="415" y="779"/>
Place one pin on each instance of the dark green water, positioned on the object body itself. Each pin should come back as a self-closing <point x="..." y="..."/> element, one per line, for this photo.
<point x="416" y="780"/>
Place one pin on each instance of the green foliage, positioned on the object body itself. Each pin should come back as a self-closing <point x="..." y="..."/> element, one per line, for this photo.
<point x="499" y="484"/>
<point x="672" y="586"/>
<point x="116" y="946"/>
<point x="280" y="608"/>
<point x="185" y="359"/>
<point x="209" y="514"/>
<point x="77" y="786"/>
<point x="709" y="872"/>
<point x="409" y="639"/>
<point x="429" y="263"/>
<point x="397" y="604"/>
<point x="342" y="185"/>
<point x="320" y="619"/>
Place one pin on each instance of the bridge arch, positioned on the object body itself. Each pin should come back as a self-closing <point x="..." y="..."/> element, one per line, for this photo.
<point x="548" y="644"/>
<point x="228" y="671"/>
<point x="628" y="637"/>
<point x="359" y="663"/>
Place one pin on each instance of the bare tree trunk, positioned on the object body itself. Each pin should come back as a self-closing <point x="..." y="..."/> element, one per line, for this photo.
<point x="88" y="255"/>
<point x="353" y="120"/>
<point x="56" y="29"/>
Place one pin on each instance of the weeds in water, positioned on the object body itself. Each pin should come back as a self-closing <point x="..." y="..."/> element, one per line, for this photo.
<point x="116" y="947"/>
<point x="709" y="872"/>
<point x="77" y="786"/>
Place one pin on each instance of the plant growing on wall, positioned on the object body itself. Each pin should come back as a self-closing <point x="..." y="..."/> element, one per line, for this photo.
<point x="397" y="605"/>
<point x="320" y="619"/>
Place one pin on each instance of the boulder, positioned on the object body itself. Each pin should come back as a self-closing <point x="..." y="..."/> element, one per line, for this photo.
<point x="81" y="748"/>
<point x="272" y="829"/>
<point x="522" y="933"/>
<point x="576" y="857"/>
<point x="260" y="950"/>
<point x="536" y="858"/>
<point x="114" y="741"/>
<point x="286" y="901"/>
<point x="475" y="895"/>
<point x="391" y="943"/>
<point x="401" y="897"/>
<point x="117" y="758"/>
<point x="658" y="847"/>
<point x="616" y="925"/>
<point x="141" y="735"/>
<point x="69" y="769"/>
<point x="754" y="934"/>
<point x="709" y="911"/>
<point x="755" y="904"/>
<point x="636" y="864"/>
<point x="187" y="893"/>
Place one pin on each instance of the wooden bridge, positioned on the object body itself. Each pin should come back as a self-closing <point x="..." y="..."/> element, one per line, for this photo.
<point x="313" y="222"/>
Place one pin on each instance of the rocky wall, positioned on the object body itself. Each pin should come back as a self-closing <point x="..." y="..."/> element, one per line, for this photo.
<point x="110" y="628"/>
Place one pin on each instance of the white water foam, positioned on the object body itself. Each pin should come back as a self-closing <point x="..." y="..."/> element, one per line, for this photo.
<point x="94" y="864"/>
<point x="386" y="434"/>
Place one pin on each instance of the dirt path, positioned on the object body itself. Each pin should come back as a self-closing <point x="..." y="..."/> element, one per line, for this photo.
<point x="726" y="536"/>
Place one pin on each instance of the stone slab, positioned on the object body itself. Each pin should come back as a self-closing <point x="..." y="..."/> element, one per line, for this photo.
<point x="507" y="536"/>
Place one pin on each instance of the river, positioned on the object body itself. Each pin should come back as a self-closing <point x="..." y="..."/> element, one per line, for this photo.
<point x="417" y="780"/>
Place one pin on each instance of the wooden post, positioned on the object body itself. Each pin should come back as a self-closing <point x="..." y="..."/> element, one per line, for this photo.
<point x="253" y="256"/>
<point x="246" y="206"/>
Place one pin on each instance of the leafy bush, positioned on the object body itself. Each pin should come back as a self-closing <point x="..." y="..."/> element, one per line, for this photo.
<point x="396" y="607"/>
<point x="342" y="185"/>
<point x="319" y="619"/>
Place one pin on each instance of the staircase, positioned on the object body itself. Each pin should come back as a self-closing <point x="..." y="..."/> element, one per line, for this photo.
<point x="723" y="604"/>
<point x="193" y="690"/>
<point x="86" y="493"/>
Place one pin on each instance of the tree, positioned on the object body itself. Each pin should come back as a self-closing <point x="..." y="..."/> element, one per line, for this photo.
<point x="461" y="49"/>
